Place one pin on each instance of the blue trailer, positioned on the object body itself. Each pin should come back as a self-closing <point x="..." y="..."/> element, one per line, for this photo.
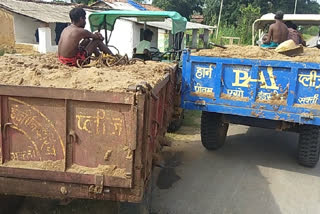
<point x="280" y="95"/>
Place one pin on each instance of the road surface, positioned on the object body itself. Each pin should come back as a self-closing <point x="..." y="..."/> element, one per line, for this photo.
<point x="312" y="41"/>
<point x="255" y="172"/>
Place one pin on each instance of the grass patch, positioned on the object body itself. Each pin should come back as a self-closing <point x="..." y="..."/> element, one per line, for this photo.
<point x="2" y="52"/>
<point x="192" y="118"/>
<point x="8" y="50"/>
<point x="306" y="37"/>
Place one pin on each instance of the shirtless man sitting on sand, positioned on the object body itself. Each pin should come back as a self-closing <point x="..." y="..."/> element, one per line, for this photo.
<point x="278" y="32"/>
<point x="71" y="49"/>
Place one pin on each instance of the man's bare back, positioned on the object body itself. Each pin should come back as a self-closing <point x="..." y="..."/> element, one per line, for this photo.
<point x="278" y="32"/>
<point x="70" y="39"/>
<point x="70" y="50"/>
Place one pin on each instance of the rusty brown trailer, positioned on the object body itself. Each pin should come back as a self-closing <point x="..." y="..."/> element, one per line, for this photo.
<point x="67" y="143"/>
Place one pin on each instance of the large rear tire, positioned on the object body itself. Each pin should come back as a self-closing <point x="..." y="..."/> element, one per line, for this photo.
<point x="309" y="146"/>
<point x="176" y="124"/>
<point x="213" y="130"/>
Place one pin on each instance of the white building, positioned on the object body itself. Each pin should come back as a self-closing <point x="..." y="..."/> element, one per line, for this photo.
<point x="42" y="24"/>
<point x="128" y="32"/>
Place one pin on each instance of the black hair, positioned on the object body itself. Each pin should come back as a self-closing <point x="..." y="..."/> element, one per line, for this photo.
<point x="76" y="13"/>
<point x="290" y="24"/>
<point x="147" y="33"/>
<point x="279" y="15"/>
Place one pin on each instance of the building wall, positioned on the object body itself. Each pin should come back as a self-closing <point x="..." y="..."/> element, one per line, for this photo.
<point x="25" y="29"/>
<point x="123" y="37"/>
<point x="126" y="35"/>
<point x="7" y="29"/>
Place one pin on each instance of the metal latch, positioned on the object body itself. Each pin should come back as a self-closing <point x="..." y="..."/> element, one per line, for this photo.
<point x="307" y="116"/>
<point x="98" y="187"/>
<point x="200" y="102"/>
<point x="4" y="131"/>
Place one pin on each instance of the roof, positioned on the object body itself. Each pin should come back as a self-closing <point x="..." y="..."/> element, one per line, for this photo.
<point x="116" y="5"/>
<point x="107" y="19"/>
<point x="42" y="11"/>
<point x="136" y="5"/>
<point x="197" y="18"/>
<point x="151" y="7"/>
<point x="298" y="19"/>
<point x="167" y="25"/>
<point x="193" y="26"/>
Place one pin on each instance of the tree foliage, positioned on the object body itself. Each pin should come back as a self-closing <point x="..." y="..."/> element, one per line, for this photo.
<point x="185" y="7"/>
<point x="231" y="9"/>
<point x="248" y="15"/>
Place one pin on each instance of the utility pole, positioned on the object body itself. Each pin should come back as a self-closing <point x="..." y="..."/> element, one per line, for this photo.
<point x="219" y="19"/>
<point x="295" y="7"/>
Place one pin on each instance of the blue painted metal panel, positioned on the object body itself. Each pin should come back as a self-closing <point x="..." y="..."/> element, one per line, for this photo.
<point x="275" y="90"/>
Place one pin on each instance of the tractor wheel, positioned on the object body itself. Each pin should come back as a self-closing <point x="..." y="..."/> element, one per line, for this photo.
<point x="213" y="130"/>
<point x="309" y="146"/>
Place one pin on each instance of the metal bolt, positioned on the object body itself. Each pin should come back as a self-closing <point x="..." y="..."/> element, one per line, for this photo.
<point x="63" y="190"/>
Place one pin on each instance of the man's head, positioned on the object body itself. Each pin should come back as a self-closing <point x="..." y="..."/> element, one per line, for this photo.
<point x="279" y="15"/>
<point x="290" y="24"/>
<point x="78" y="17"/>
<point x="147" y="35"/>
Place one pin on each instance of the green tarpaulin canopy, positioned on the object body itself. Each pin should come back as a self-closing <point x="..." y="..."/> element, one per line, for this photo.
<point x="107" y="19"/>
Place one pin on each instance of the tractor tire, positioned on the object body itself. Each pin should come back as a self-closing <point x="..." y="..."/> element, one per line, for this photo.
<point x="176" y="124"/>
<point x="309" y="146"/>
<point x="213" y="130"/>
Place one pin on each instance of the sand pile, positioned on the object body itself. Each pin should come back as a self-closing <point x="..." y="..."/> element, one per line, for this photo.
<point x="255" y="52"/>
<point x="47" y="71"/>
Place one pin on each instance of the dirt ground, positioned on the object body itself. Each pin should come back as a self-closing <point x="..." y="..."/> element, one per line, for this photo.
<point x="47" y="71"/>
<point x="255" y="172"/>
<point x="255" y="52"/>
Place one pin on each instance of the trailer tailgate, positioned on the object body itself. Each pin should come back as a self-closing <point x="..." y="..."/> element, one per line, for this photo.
<point x="67" y="135"/>
<point x="275" y="90"/>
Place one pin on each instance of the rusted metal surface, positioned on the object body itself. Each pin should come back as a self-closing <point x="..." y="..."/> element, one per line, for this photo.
<point x="67" y="94"/>
<point x="88" y="144"/>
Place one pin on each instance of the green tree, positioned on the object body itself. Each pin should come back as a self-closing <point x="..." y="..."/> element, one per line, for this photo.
<point x="248" y="15"/>
<point x="185" y="7"/>
<point x="231" y="9"/>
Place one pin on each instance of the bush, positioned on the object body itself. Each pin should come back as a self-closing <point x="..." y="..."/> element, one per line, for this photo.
<point x="225" y="30"/>
<point x="312" y="31"/>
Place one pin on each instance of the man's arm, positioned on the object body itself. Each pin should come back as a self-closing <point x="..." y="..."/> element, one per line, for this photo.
<point x="268" y="40"/>
<point x="87" y="34"/>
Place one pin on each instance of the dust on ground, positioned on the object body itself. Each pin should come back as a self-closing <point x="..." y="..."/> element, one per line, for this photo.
<point x="47" y="71"/>
<point x="167" y="175"/>
<point x="255" y="52"/>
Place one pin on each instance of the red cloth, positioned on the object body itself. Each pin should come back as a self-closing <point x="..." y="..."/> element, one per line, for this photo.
<point x="72" y="61"/>
<point x="294" y="35"/>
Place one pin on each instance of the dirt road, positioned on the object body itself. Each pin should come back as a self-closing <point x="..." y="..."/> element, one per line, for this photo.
<point x="255" y="172"/>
